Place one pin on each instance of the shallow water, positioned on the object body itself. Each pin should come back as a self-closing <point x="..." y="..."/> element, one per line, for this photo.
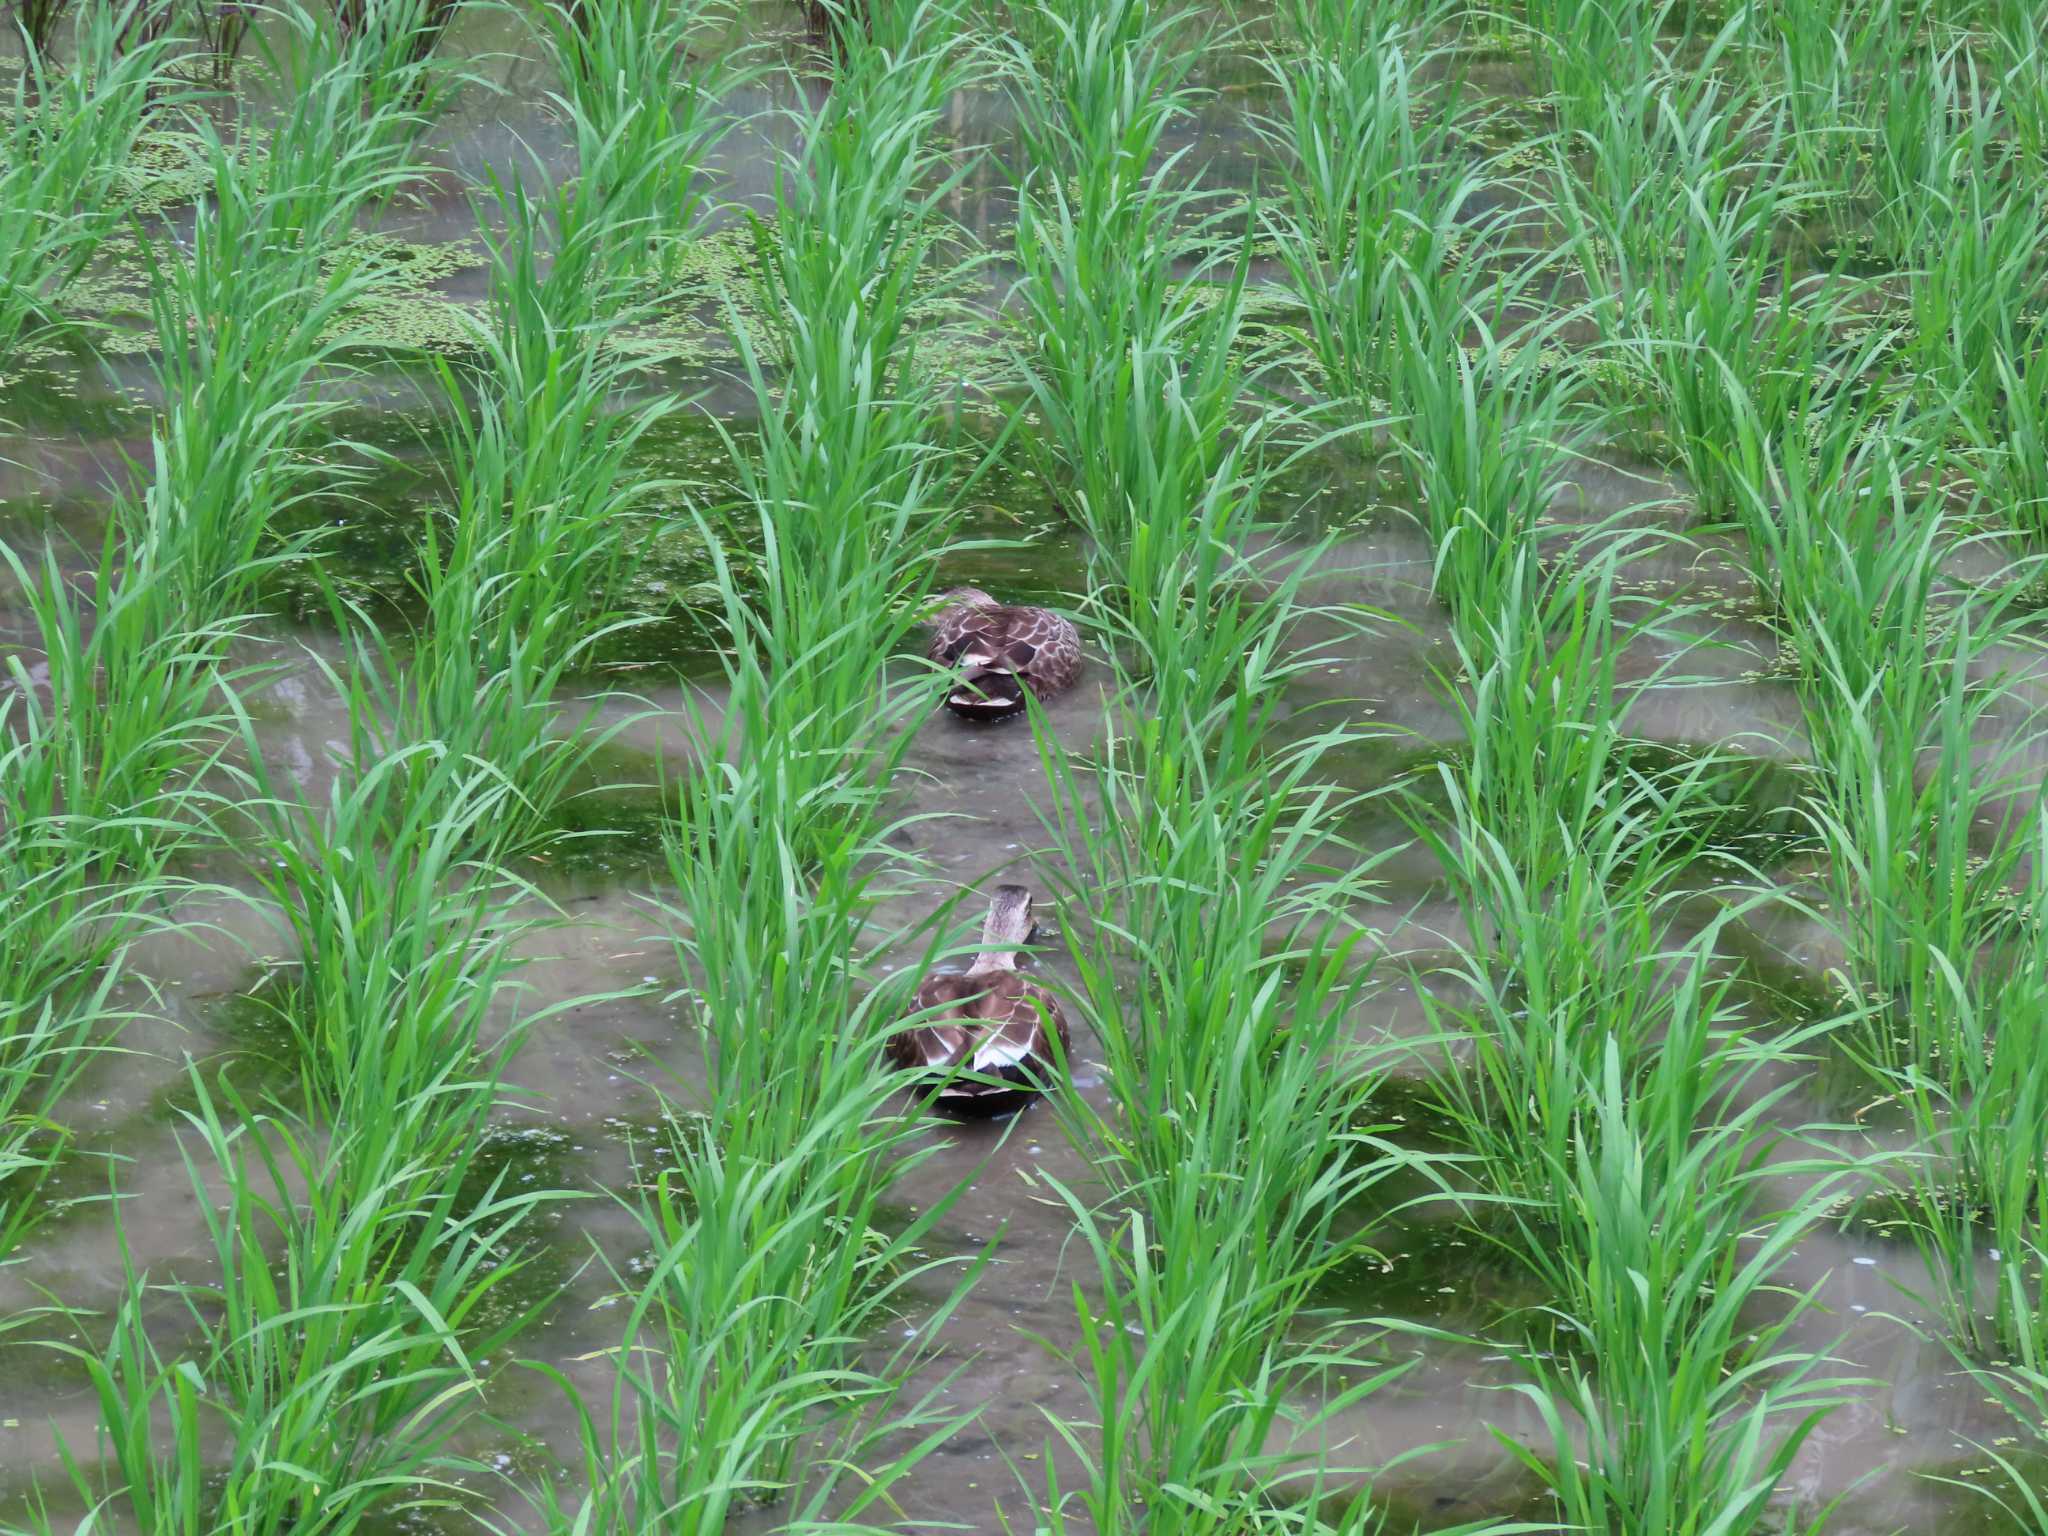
<point x="582" y="1115"/>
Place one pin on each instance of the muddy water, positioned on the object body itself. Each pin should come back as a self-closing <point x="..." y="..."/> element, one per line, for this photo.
<point x="582" y="1114"/>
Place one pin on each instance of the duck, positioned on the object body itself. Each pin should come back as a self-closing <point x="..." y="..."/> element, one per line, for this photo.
<point x="1001" y="652"/>
<point x="987" y="1020"/>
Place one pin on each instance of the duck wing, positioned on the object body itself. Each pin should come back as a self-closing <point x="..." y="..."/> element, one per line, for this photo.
<point x="1019" y="1018"/>
<point x="939" y="1043"/>
<point x="1043" y="647"/>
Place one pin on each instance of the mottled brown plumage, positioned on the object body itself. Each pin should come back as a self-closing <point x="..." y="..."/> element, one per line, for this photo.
<point x="988" y="1021"/>
<point x="1000" y="652"/>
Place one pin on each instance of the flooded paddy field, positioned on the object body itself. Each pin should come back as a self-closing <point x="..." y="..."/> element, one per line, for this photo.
<point x="1533" y="1008"/>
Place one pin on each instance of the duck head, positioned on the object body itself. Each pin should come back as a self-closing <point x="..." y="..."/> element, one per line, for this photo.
<point x="958" y="598"/>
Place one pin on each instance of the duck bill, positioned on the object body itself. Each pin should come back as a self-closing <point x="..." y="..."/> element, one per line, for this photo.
<point x="989" y="695"/>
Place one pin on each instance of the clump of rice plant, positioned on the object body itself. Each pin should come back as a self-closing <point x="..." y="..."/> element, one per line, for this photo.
<point x="1213" y="913"/>
<point x="2010" y="446"/>
<point x="1888" y="656"/>
<point x="1590" y="47"/>
<point x="1678" y="248"/>
<point x="340" y="1340"/>
<point x="66" y="137"/>
<point x="1131" y="298"/>
<point x="1922" y="115"/>
<point x="846" y="488"/>
<point x="1368" y="187"/>
<point x="549" y="518"/>
<point x="1669" y="1407"/>
<point x="1976" y="288"/>
<point x="250" y="318"/>
<point x="744" y="1365"/>
<point x="1488" y="431"/>
<point x="643" y="108"/>
<point x="1559" y="853"/>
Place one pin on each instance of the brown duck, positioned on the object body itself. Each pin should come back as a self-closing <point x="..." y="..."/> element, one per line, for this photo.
<point x="988" y="1021"/>
<point x="1000" y="652"/>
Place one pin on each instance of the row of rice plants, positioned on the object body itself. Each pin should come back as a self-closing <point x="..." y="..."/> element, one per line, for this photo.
<point x="110" y="736"/>
<point x="1208" y="901"/>
<point x="1600" y="1077"/>
<point x="343" y="1341"/>
<point x="745" y="1374"/>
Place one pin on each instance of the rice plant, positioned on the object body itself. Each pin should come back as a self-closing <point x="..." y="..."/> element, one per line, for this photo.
<point x="1127" y="349"/>
<point x="1688" y="1414"/>
<point x="1677" y="246"/>
<point x="1976" y="293"/>
<point x="522" y="582"/>
<point x="2010" y="445"/>
<point x="1211" y="868"/>
<point x="1923" y="117"/>
<point x="744" y="1358"/>
<point x="250" y="319"/>
<point x="643" y="108"/>
<point x="1488" y="433"/>
<point x="327" y="1381"/>
<point x="65" y="144"/>
<point x="1366" y="183"/>
<point x="1588" y="46"/>
<point x="846" y="490"/>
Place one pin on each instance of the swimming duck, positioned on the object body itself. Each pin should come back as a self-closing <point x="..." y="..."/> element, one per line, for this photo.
<point x="1000" y="652"/>
<point x="987" y="1020"/>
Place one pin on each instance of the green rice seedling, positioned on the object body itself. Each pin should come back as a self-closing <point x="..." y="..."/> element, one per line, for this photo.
<point x="400" y="943"/>
<point x="1680" y="255"/>
<point x="1923" y="116"/>
<point x="1689" y="1412"/>
<point x="110" y="730"/>
<point x="62" y="967"/>
<point x="1903" y="806"/>
<point x="549" y="518"/>
<point x="1975" y="1195"/>
<point x="1361" y="173"/>
<point x="65" y="142"/>
<point x="1121" y="354"/>
<point x="845" y="494"/>
<point x="2010" y="446"/>
<point x="1487" y="432"/>
<point x="643" y="108"/>
<point x="2020" y="55"/>
<point x="1564" y="858"/>
<point x="1541" y="706"/>
<point x="1813" y="487"/>
<point x="1158" y="1359"/>
<point x="1590" y="45"/>
<point x="1827" y="53"/>
<point x="253" y="316"/>
<point x="342" y="1342"/>
<point x="1976" y="295"/>
<point x="745" y="1373"/>
<point x="1210" y="907"/>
